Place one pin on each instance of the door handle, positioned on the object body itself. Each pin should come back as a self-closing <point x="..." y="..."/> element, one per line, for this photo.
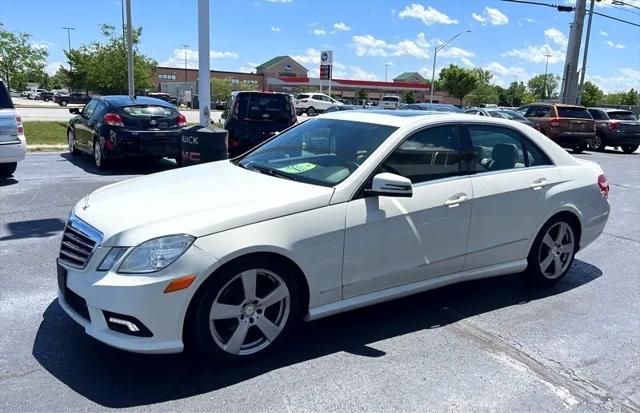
<point x="455" y="201"/>
<point x="538" y="184"/>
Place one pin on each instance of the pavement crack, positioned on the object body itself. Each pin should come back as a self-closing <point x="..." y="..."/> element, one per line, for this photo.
<point x="19" y="374"/>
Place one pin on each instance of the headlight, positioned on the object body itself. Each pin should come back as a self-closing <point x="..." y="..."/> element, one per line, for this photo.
<point x="156" y="254"/>
<point x="111" y="258"/>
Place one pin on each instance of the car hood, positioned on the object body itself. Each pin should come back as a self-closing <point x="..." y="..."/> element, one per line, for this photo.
<point x="198" y="200"/>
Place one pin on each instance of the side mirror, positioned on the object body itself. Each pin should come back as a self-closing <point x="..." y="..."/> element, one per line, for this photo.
<point x="75" y="111"/>
<point x="388" y="184"/>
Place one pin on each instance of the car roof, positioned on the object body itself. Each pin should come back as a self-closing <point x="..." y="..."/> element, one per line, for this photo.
<point x="397" y="118"/>
<point x="123" y="100"/>
<point x="613" y="109"/>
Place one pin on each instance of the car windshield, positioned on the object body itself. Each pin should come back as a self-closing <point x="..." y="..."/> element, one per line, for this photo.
<point x="507" y="114"/>
<point x="319" y="151"/>
<point x="262" y="106"/>
<point x="571" y="112"/>
<point x="621" y="115"/>
<point x="390" y="99"/>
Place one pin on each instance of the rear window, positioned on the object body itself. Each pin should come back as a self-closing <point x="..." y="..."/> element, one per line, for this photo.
<point x="391" y="99"/>
<point x="263" y="106"/>
<point x="622" y="115"/>
<point x="568" y="112"/>
<point x="147" y="111"/>
<point x="5" y="98"/>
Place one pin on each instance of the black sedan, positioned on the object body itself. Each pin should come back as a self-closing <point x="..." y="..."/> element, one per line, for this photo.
<point x="117" y="127"/>
<point x="504" y="114"/>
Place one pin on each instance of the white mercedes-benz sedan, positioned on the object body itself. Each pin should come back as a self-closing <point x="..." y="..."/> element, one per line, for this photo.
<point x="339" y="212"/>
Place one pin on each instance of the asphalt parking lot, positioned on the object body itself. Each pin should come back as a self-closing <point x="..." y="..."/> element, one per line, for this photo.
<point x="494" y="344"/>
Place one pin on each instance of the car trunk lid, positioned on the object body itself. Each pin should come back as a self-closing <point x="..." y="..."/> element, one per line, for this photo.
<point x="574" y="119"/>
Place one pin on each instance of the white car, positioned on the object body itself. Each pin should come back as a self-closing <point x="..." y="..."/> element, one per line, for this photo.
<point x="13" y="145"/>
<point x="342" y="211"/>
<point x="314" y="103"/>
<point x="390" y="102"/>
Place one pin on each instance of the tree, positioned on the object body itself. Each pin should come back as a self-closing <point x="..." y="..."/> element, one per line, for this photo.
<point x="458" y="81"/>
<point x="544" y="90"/>
<point x="102" y="67"/>
<point x="409" y="97"/>
<point x="18" y="58"/>
<point x="362" y="95"/>
<point x="59" y="80"/>
<point x="220" y="89"/>
<point x="591" y="94"/>
<point x="630" y="98"/>
<point x="517" y="95"/>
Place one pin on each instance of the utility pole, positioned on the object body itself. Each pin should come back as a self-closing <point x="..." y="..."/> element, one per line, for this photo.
<point x="130" y="80"/>
<point x="435" y="55"/>
<point x="570" y="75"/>
<point x="68" y="29"/>
<point x="386" y="66"/>
<point x="546" y="69"/>
<point x="185" y="47"/>
<point x="204" y="72"/>
<point x="586" y="51"/>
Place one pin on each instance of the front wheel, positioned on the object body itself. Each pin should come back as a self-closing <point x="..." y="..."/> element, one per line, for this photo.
<point x="63" y="103"/>
<point x="71" y="142"/>
<point x="552" y="252"/>
<point x="629" y="148"/>
<point x="579" y="148"/>
<point x="246" y="310"/>
<point x="311" y="111"/>
<point x="7" y="169"/>
<point x="597" y="143"/>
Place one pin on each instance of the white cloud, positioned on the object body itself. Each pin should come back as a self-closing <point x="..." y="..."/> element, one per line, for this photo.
<point x="178" y="58"/>
<point x="278" y="1"/>
<point x="311" y="59"/>
<point x="615" y="45"/>
<point x="42" y="44"/>
<point x="623" y="80"/>
<point x="605" y="34"/>
<point x="249" y="68"/>
<point x="537" y="54"/>
<point x="492" y="16"/>
<point x="341" y="26"/>
<point x="358" y="73"/>
<point x="319" y="32"/>
<point x="556" y="36"/>
<point x="52" y="68"/>
<point x="428" y="16"/>
<point x="503" y="75"/>
<point x="275" y="29"/>
<point x="530" y="20"/>
<point x="368" y="45"/>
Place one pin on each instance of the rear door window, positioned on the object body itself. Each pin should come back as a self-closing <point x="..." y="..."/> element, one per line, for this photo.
<point x="537" y="112"/>
<point x="596" y="114"/>
<point x="570" y="112"/>
<point x="622" y="115"/>
<point x="263" y="106"/>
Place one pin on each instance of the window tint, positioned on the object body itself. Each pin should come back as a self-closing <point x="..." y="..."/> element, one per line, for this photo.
<point x="622" y="115"/>
<point x="263" y="106"/>
<point x="571" y="112"/>
<point x="534" y="155"/>
<point x="88" y="110"/>
<point x="537" y="111"/>
<point x="317" y="97"/>
<point x="429" y="154"/>
<point x="302" y="96"/>
<point x="596" y="114"/>
<point x="148" y="111"/>
<point x="5" y="97"/>
<point x="496" y="148"/>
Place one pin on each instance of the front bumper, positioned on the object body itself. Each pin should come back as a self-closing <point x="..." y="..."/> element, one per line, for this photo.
<point x="13" y="151"/>
<point x="140" y="296"/>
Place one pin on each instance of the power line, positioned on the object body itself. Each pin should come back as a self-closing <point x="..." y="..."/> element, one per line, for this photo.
<point x="570" y="8"/>
<point x="622" y="3"/>
<point x="617" y="19"/>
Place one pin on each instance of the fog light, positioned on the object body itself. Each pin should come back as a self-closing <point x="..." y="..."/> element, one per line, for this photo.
<point x="126" y="324"/>
<point x="132" y="327"/>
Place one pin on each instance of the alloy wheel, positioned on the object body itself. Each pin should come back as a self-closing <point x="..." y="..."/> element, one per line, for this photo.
<point x="97" y="153"/>
<point x="556" y="250"/>
<point x="70" y="141"/>
<point x="249" y="312"/>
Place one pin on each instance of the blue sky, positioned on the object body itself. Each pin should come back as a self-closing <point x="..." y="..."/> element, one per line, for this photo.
<point x="508" y="39"/>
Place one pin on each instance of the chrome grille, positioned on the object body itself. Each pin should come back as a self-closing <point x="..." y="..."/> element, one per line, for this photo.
<point x="79" y="241"/>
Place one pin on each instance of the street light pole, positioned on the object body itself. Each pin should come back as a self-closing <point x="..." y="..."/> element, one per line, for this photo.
<point x="436" y="49"/>
<point x="68" y="29"/>
<point x="586" y="51"/>
<point x="386" y="66"/>
<point x="185" y="47"/>
<point x="204" y="64"/>
<point x="130" y="80"/>
<point x="546" y="68"/>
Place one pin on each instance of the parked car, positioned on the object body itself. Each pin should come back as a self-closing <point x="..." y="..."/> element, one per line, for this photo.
<point x="117" y="127"/>
<point x="25" y="93"/>
<point x="433" y="107"/>
<point x="159" y="95"/>
<point x="504" y="114"/>
<point x="568" y="125"/>
<point x="35" y="94"/>
<point x="13" y="145"/>
<point x="71" y="98"/>
<point x="45" y="96"/>
<point x="313" y="103"/>
<point x="339" y="212"/>
<point x="253" y="117"/>
<point x="615" y="127"/>
<point x="338" y="108"/>
<point x="390" y="102"/>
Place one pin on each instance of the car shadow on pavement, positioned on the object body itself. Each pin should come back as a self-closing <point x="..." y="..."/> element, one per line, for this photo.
<point x="7" y="182"/>
<point x="120" y="167"/>
<point x="35" y="228"/>
<point x="116" y="379"/>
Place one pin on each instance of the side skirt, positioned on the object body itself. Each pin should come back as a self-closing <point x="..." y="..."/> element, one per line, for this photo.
<point x="376" y="297"/>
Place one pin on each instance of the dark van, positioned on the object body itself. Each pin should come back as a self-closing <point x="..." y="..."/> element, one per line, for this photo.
<point x="253" y="117"/>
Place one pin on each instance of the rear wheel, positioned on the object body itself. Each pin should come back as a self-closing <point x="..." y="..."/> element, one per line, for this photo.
<point x="63" y="103"/>
<point x="597" y="143"/>
<point x="7" y="169"/>
<point x="98" y="155"/>
<point x="311" y="111"/>
<point x="629" y="148"/>
<point x="246" y="310"/>
<point x="552" y="252"/>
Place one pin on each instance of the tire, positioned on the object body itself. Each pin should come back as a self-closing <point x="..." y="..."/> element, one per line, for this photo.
<point x="552" y="252"/>
<point x="71" y="143"/>
<point x="98" y="155"/>
<point x="311" y="111"/>
<point x="579" y="148"/>
<point x="7" y="169"/>
<point x="597" y="143"/>
<point x="240" y="334"/>
<point x="629" y="148"/>
<point x="63" y="103"/>
<point x="178" y="161"/>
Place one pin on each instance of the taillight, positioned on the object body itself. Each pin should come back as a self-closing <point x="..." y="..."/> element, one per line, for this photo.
<point x="554" y="122"/>
<point x="614" y="124"/>
<point x="181" y="120"/>
<point x="19" y="125"/>
<point x="603" y="184"/>
<point x="113" y="119"/>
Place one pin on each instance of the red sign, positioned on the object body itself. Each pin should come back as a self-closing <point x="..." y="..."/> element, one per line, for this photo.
<point x="325" y="72"/>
